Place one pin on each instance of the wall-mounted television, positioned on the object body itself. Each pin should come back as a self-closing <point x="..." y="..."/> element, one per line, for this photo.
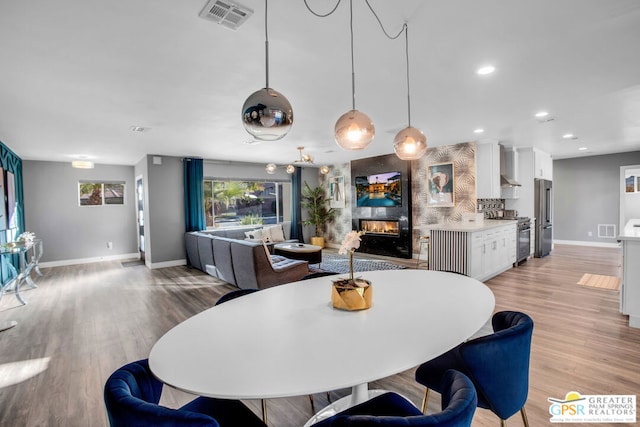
<point x="379" y="190"/>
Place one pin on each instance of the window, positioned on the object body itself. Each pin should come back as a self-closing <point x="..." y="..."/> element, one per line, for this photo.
<point x="235" y="203"/>
<point x="100" y="193"/>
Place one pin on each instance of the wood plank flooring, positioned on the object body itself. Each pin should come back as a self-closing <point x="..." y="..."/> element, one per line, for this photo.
<point x="83" y="322"/>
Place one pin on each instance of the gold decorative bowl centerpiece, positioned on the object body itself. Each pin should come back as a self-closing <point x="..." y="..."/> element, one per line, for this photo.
<point x="351" y="293"/>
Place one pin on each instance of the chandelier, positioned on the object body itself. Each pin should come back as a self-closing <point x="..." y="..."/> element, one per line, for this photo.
<point x="303" y="159"/>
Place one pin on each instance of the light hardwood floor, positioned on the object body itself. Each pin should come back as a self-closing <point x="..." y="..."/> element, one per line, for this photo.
<point x="83" y="322"/>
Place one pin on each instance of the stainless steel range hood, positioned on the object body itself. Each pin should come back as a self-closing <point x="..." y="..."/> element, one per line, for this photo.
<point x="508" y="167"/>
<point x="508" y="182"/>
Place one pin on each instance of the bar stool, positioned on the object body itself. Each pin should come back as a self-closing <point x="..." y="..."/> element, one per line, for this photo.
<point x="423" y="240"/>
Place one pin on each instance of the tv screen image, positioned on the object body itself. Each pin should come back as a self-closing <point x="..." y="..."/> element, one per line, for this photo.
<point x="379" y="190"/>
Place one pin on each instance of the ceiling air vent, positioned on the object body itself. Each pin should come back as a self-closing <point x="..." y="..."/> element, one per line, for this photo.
<point x="226" y="13"/>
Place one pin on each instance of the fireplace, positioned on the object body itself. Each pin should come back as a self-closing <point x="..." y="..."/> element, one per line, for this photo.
<point x="381" y="206"/>
<point x="377" y="226"/>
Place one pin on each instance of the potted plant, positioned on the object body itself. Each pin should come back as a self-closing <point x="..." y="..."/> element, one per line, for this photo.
<point x="316" y="203"/>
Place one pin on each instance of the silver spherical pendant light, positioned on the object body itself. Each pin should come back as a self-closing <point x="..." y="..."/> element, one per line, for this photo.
<point x="267" y="114"/>
<point x="354" y="130"/>
<point x="410" y="143"/>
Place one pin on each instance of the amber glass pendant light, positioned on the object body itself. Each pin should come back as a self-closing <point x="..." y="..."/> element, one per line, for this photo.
<point x="354" y="130"/>
<point x="410" y="143"/>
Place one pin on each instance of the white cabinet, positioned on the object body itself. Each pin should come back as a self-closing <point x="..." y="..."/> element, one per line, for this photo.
<point x="488" y="170"/>
<point x="511" y="234"/>
<point x="543" y="165"/>
<point x="492" y="251"/>
<point x="478" y="249"/>
<point x="630" y="287"/>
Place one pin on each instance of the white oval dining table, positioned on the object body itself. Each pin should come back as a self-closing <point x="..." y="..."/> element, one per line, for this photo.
<point x="288" y="340"/>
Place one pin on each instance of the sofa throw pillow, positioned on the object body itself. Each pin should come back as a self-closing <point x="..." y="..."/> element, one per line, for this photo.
<point x="276" y="233"/>
<point x="256" y="234"/>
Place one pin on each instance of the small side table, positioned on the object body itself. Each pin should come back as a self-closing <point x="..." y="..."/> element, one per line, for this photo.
<point x="26" y="265"/>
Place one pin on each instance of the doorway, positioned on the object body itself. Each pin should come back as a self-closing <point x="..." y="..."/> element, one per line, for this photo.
<point x="629" y="194"/>
<point x="140" y="216"/>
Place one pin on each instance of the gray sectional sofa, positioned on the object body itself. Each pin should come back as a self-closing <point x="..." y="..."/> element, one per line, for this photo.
<point x="240" y="262"/>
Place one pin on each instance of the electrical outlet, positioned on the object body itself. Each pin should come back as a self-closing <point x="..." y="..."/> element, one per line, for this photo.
<point x="109" y="245"/>
<point x="590" y="233"/>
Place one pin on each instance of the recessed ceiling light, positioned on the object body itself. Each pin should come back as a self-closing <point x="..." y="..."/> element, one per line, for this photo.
<point x="487" y="69"/>
<point x="479" y="130"/>
<point x="542" y="114"/>
<point x="583" y="148"/>
<point x="569" y="136"/>
<point x="138" y="129"/>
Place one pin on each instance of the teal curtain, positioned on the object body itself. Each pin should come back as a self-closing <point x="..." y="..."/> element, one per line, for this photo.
<point x="296" y="210"/>
<point x="10" y="162"/>
<point x="193" y="195"/>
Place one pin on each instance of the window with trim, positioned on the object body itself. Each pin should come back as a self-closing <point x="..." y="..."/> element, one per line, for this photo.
<point x="100" y="193"/>
<point x="237" y="203"/>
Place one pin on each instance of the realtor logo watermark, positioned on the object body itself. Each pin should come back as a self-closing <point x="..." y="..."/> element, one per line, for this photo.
<point x="606" y="408"/>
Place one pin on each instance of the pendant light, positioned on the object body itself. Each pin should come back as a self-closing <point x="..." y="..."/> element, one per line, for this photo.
<point x="354" y="130"/>
<point x="410" y="143"/>
<point x="267" y="114"/>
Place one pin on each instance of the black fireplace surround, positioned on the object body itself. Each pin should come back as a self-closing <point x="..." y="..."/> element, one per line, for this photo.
<point x="388" y="231"/>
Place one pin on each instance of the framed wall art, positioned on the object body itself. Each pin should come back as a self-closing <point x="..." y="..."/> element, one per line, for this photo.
<point x="12" y="207"/>
<point x="441" y="184"/>
<point x="336" y="192"/>
<point x="3" y="207"/>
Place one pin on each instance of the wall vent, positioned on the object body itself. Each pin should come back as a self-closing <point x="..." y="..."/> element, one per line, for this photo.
<point x="607" y="231"/>
<point x="226" y="13"/>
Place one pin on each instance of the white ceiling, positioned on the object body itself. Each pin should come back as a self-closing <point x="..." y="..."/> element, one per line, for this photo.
<point x="76" y="75"/>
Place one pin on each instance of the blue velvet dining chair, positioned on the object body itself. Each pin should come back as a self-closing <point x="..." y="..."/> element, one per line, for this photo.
<point x="459" y="403"/>
<point x="498" y="365"/>
<point x="132" y="393"/>
<point x="236" y="293"/>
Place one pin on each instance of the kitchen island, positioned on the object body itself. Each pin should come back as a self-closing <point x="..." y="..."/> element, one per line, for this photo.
<point x="480" y="249"/>
<point x="630" y="288"/>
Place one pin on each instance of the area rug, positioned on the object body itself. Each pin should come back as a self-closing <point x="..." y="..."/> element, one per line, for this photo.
<point x="340" y="264"/>
<point x="598" y="281"/>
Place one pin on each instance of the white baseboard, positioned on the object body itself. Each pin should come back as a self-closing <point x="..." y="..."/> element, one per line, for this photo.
<point x="165" y="264"/>
<point x="65" y="262"/>
<point x="584" y="243"/>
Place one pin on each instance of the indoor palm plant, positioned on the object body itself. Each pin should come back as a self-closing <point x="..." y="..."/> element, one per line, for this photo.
<point x="316" y="202"/>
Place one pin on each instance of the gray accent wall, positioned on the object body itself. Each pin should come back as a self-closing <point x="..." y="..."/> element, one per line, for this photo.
<point x="164" y="211"/>
<point x="586" y="192"/>
<point x="72" y="232"/>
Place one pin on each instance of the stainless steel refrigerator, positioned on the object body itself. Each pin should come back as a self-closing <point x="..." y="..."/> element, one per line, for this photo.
<point x="544" y="218"/>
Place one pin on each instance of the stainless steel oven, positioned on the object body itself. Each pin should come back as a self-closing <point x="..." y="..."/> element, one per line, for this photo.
<point x="524" y="239"/>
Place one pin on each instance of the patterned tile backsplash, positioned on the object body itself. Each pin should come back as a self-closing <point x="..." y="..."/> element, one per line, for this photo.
<point x="492" y="208"/>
